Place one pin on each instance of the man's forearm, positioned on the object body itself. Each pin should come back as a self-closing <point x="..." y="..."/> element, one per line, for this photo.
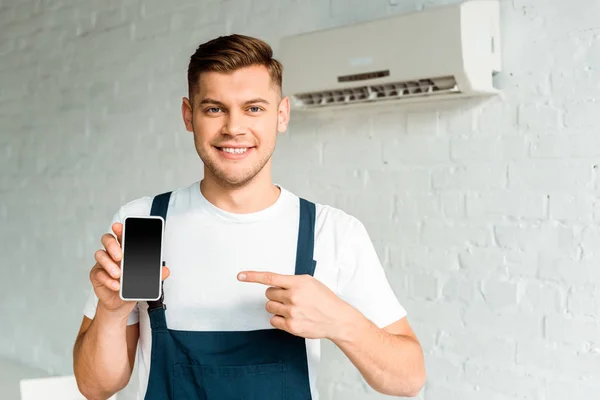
<point x="100" y="359"/>
<point x="391" y="364"/>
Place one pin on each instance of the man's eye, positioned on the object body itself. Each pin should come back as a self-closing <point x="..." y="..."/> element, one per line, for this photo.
<point x="212" y="108"/>
<point x="255" y="108"/>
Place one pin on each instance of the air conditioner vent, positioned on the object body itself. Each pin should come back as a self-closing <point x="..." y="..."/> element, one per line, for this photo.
<point x="387" y="91"/>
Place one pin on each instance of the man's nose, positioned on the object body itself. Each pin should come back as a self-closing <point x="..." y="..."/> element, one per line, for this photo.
<point x="236" y="124"/>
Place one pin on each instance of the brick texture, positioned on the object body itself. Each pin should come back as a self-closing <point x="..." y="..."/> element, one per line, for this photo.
<point x="485" y="215"/>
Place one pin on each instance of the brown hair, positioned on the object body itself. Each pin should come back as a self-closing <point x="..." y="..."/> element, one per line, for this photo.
<point x="229" y="53"/>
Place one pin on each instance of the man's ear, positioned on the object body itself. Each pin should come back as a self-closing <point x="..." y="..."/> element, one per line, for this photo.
<point x="283" y="115"/>
<point x="187" y="112"/>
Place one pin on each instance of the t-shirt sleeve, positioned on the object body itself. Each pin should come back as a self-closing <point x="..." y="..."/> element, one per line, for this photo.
<point x="89" y="309"/>
<point x="362" y="281"/>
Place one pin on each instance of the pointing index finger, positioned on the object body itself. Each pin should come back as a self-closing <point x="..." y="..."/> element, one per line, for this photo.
<point x="267" y="278"/>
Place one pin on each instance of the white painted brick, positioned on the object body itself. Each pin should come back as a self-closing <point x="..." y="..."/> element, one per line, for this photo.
<point x="557" y="357"/>
<point x="7" y="15"/>
<point x="561" y="389"/>
<point x="153" y="8"/>
<point x="496" y="118"/>
<point x="391" y="123"/>
<point x="446" y="368"/>
<point x="311" y="153"/>
<point x="541" y="296"/>
<point x="453" y="204"/>
<point x="576" y="82"/>
<point x="261" y="8"/>
<point x="195" y="15"/>
<point x="416" y="149"/>
<point x="479" y="348"/>
<point x="419" y="205"/>
<point x="584" y="300"/>
<point x="481" y="262"/>
<point x="539" y="117"/>
<point x="152" y="27"/>
<point x="590" y="242"/>
<point x="458" y="289"/>
<point x="481" y="318"/>
<point x="400" y="180"/>
<point x="407" y="233"/>
<point x="340" y="180"/>
<point x="513" y="147"/>
<point x="470" y="177"/>
<point x="111" y="18"/>
<point x="55" y="4"/>
<point x="447" y="315"/>
<point x="505" y="204"/>
<point x="566" y="146"/>
<point x="458" y="122"/>
<point x="577" y="114"/>
<point x="509" y="382"/>
<point x="424" y="286"/>
<point x="25" y="10"/>
<point x="561" y="268"/>
<point x="429" y="259"/>
<point x="499" y="294"/>
<point x="366" y="207"/>
<point x="570" y="207"/>
<point x="596" y="211"/>
<point x="458" y="235"/>
<point x="428" y="335"/>
<point x="422" y="123"/>
<point x="464" y="391"/>
<point x="550" y="238"/>
<point x="367" y="155"/>
<point x="526" y="85"/>
<point x="571" y="329"/>
<point x="6" y="45"/>
<point x="521" y="263"/>
<point x="549" y="176"/>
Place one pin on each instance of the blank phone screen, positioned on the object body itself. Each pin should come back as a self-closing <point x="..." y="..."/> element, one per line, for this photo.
<point x="142" y="258"/>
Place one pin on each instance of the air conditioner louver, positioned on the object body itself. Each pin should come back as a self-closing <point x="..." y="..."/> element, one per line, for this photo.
<point x="394" y="90"/>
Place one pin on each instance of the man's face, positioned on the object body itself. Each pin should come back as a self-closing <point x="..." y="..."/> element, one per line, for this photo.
<point x="235" y="119"/>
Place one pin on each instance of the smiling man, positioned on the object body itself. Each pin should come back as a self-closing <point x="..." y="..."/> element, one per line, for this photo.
<point x="256" y="276"/>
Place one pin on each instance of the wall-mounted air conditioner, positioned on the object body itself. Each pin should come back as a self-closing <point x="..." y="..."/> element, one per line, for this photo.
<point x="438" y="53"/>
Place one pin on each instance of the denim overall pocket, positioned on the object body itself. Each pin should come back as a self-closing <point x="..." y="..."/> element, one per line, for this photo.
<point x="243" y="382"/>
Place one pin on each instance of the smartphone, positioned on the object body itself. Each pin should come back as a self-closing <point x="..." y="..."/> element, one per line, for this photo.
<point x="141" y="263"/>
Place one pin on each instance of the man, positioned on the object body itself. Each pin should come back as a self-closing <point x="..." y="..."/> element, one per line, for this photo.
<point x="254" y="275"/>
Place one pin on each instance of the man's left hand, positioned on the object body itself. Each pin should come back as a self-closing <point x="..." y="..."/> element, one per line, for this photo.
<point x="302" y="305"/>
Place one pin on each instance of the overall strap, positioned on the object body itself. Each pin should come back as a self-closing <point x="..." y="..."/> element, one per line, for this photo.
<point x="156" y="309"/>
<point x="160" y="205"/>
<point x="305" y="263"/>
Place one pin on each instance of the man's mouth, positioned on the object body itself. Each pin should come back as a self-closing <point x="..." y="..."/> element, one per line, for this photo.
<point x="235" y="153"/>
<point x="233" y="150"/>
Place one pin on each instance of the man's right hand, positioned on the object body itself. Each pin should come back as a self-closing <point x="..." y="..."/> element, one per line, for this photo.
<point x="105" y="275"/>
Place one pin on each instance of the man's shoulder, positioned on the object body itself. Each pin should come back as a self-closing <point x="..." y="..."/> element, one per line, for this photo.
<point x="142" y="205"/>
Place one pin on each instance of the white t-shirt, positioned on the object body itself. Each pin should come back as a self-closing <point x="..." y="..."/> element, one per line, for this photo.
<point x="206" y="247"/>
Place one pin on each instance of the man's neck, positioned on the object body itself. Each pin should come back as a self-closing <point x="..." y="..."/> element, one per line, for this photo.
<point x="257" y="195"/>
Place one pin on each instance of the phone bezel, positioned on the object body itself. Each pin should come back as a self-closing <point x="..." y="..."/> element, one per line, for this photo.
<point x="162" y="233"/>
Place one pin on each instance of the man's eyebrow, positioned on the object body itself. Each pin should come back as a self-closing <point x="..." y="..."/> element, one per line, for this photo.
<point x="257" y="100"/>
<point x="208" y="100"/>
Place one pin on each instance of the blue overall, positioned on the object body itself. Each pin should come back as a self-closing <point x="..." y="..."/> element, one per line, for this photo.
<point x="267" y="364"/>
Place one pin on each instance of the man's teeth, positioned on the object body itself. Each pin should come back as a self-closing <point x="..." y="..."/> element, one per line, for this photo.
<point x="235" y="151"/>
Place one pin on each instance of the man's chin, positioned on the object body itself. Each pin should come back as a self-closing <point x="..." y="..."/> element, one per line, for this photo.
<point x="230" y="180"/>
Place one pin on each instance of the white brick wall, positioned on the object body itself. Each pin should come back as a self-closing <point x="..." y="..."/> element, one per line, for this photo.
<point x="484" y="215"/>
